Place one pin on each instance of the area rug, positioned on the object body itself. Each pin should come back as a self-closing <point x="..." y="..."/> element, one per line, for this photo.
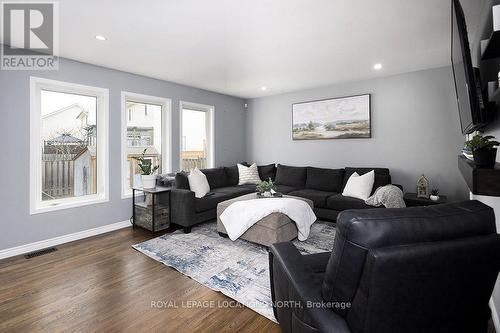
<point x="239" y="269"/>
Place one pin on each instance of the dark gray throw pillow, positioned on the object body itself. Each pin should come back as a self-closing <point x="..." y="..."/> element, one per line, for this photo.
<point x="329" y="180"/>
<point x="291" y="176"/>
<point x="232" y="175"/>
<point x="181" y="180"/>
<point x="267" y="171"/>
<point x="216" y="177"/>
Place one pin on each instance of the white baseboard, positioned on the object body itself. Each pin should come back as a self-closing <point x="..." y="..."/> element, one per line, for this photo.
<point x="494" y="316"/>
<point x="18" y="250"/>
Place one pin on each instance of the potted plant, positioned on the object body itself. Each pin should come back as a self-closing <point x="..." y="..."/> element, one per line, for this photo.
<point x="483" y="150"/>
<point x="434" y="194"/>
<point x="266" y="188"/>
<point x="147" y="171"/>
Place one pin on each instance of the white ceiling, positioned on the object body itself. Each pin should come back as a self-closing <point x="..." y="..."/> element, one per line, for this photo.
<point x="236" y="47"/>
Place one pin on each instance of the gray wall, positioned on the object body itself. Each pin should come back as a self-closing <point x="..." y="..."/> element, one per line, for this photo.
<point x="16" y="225"/>
<point x="415" y="130"/>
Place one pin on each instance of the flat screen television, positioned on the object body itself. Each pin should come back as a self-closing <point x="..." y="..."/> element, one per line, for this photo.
<point x="467" y="82"/>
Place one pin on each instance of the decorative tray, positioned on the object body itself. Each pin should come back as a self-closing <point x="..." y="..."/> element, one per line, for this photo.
<point x="275" y="195"/>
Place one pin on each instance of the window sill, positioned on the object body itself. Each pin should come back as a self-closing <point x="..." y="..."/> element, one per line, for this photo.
<point x="67" y="205"/>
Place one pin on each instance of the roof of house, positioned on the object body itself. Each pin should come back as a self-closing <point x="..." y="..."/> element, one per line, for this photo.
<point x="92" y="150"/>
<point x="64" y="138"/>
<point x="69" y="107"/>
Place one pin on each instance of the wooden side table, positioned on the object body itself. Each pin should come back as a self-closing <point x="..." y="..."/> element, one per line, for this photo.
<point x="154" y="216"/>
<point x="411" y="200"/>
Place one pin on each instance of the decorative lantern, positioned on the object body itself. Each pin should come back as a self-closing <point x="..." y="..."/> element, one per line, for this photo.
<point x="423" y="187"/>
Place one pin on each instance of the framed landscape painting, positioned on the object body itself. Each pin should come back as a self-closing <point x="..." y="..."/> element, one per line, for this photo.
<point x="336" y="118"/>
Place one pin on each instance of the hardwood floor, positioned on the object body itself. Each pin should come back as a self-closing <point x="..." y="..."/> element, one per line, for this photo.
<point x="103" y="284"/>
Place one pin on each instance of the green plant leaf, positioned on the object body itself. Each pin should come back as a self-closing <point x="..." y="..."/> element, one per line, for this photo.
<point x="481" y="142"/>
<point x="265" y="186"/>
<point x="146" y="168"/>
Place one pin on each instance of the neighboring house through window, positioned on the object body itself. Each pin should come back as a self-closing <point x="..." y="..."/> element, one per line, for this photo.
<point x="69" y="145"/>
<point x="145" y="127"/>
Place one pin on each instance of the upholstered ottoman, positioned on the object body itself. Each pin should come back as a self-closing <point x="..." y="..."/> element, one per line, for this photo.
<point x="274" y="228"/>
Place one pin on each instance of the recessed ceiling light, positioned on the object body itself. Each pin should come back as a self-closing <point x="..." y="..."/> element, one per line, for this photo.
<point x="377" y="67"/>
<point x="99" y="37"/>
<point x="264" y="88"/>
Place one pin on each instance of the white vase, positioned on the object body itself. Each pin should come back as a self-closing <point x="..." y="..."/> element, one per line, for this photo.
<point x="434" y="197"/>
<point x="267" y="194"/>
<point x="148" y="181"/>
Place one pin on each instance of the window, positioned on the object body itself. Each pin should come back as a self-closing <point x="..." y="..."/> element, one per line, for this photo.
<point x="145" y="126"/>
<point x="196" y="136"/>
<point x="68" y="145"/>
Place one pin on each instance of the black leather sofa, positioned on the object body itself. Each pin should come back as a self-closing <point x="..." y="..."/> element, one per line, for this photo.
<point x="322" y="186"/>
<point x="425" y="269"/>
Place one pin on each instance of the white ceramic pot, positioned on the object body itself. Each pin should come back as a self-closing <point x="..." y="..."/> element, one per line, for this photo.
<point x="434" y="197"/>
<point x="267" y="194"/>
<point x="148" y="181"/>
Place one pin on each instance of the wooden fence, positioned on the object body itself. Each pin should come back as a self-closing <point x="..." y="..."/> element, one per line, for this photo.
<point x="57" y="178"/>
<point x="191" y="163"/>
<point x="58" y="174"/>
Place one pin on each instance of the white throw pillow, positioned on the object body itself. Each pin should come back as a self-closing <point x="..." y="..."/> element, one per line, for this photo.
<point x="359" y="186"/>
<point x="248" y="175"/>
<point x="198" y="183"/>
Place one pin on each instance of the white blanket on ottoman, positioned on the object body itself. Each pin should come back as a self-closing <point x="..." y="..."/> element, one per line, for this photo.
<point x="241" y="215"/>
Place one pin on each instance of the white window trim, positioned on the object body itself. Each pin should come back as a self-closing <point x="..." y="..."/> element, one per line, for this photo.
<point x="210" y="110"/>
<point x="166" y="146"/>
<point x="36" y="204"/>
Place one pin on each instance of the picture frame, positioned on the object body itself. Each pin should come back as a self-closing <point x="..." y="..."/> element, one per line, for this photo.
<point x="347" y="117"/>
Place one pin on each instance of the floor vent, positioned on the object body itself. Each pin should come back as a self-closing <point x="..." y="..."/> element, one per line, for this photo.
<point x="40" y="252"/>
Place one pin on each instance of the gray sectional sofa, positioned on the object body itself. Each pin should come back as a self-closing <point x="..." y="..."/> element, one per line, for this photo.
<point x="322" y="186"/>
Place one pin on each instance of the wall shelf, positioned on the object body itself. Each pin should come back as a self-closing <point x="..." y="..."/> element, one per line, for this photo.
<point x="492" y="50"/>
<point x="481" y="181"/>
<point x="496" y="96"/>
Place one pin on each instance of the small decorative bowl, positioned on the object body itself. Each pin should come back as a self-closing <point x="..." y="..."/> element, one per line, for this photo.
<point x="434" y="197"/>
